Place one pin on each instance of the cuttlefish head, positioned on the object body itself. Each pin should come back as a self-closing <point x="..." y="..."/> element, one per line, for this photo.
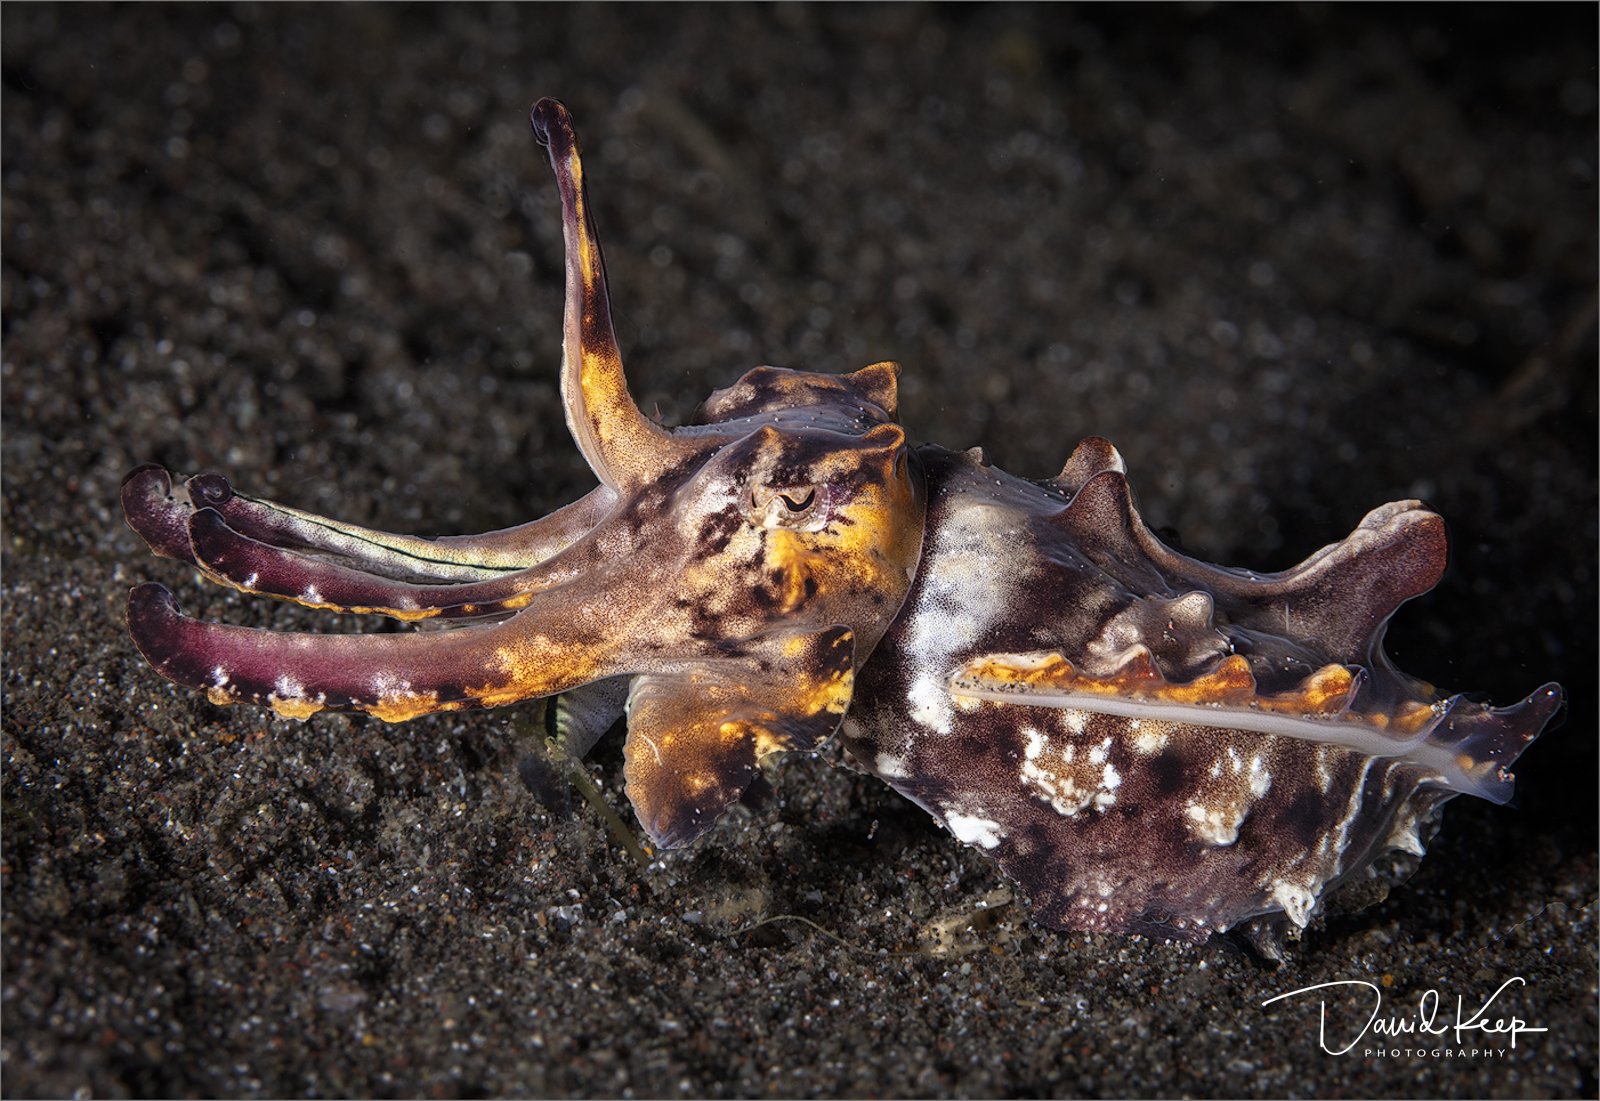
<point x="782" y="526"/>
<point x="737" y="571"/>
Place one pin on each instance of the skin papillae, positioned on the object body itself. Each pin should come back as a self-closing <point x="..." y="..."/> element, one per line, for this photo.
<point x="1145" y="742"/>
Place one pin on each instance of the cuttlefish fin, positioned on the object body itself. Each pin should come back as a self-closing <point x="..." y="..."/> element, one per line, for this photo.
<point x="624" y="447"/>
<point x="697" y="736"/>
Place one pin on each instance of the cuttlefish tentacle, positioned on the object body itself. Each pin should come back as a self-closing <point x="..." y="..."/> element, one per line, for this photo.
<point x="392" y="676"/>
<point x="623" y="446"/>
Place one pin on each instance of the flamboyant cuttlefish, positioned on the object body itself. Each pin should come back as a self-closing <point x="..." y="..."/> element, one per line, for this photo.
<point x="1146" y="743"/>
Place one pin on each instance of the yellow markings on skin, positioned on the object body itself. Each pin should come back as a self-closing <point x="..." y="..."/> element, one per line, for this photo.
<point x="509" y="660"/>
<point x="806" y="698"/>
<point x="1483" y="769"/>
<point x="392" y="707"/>
<point x="408" y="615"/>
<point x="768" y="744"/>
<point x="1329" y="691"/>
<point x="887" y="532"/>
<point x="407" y="706"/>
<point x="872" y="515"/>
<point x="1230" y="682"/>
<point x="293" y="709"/>
<point x="1048" y="669"/>
<point x="586" y="250"/>
<point x="834" y="693"/>
<point x="788" y="553"/>
<point x="1413" y="716"/>
<point x="1326" y="691"/>
<point x="833" y="561"/>
<point x="873" y="543"/>
<point x="558" y="674"/>
<point x="831" y="694"/>
<point x="490" y="696"/>
<point x="538" y="666"/>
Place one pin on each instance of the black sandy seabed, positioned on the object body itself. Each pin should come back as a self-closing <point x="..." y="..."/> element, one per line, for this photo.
<point x="1295" y="262"/>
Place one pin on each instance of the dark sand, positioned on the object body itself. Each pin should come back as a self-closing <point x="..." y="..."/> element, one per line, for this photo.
<point x="1295" y="263"/>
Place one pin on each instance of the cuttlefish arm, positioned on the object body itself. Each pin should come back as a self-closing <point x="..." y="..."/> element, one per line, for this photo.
<point x="232" y="559"/>
<point x="265" y="548"/>
<point x="697" y="737"/>
<point x="160" y="510"/>
<point x="397" y="677"/>
<point x="624" y="448"/>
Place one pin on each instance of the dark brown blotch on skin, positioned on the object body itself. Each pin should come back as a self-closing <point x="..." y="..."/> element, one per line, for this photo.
<point x="1168" y="771"/>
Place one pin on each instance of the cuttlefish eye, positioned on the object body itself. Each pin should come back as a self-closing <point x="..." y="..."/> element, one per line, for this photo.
<point x="792" y="507"/>
<point x="802" y="504"/>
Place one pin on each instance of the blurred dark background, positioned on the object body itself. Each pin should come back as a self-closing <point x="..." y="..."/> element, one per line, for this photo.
<point x="1293" y="261"/>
